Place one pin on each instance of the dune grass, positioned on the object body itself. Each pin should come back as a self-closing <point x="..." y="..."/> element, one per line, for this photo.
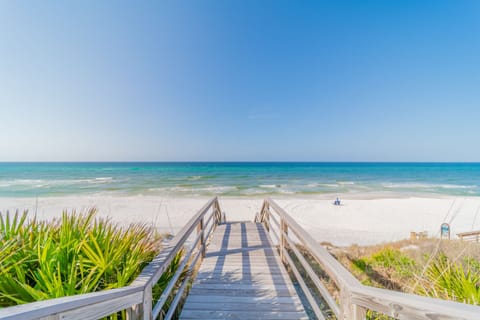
<point x="450" y="272"/>
<point x="438" y="276"/>
<point x="452" y="280"/>
<point x="76" y="254"/>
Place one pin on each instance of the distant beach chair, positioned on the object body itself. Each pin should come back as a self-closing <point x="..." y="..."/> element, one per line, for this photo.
<point x="337" y="202"/>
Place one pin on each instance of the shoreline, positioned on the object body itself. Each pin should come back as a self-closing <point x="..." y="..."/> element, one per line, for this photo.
<point x="372" y="195"/>
<point x="361" y="219"/>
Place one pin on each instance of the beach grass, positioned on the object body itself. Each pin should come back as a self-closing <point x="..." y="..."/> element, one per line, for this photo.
<point x="78" y="253"/>
<point x="448" y="270"/>
<point x="452" y="280"/>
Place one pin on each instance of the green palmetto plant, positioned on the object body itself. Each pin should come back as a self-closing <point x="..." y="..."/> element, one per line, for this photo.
<point x="442" y="277"/>
<point x="76" y="254"/>
<point x="446" y="279"/>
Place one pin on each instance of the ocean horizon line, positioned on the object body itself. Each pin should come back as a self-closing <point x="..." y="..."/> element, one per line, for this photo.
<point x="243" y="162"/>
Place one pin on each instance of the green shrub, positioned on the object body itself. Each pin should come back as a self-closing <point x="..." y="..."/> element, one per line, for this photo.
<point x="76" y="254"/>
<point x="446" y="279"/>
<point x="394" y="259"/>
<point x="387" y="268"/>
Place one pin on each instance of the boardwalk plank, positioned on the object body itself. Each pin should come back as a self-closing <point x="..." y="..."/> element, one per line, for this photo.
<point x="236" y="306"/>
<point x="251" y="314"/>
<point x="242" y="277"/>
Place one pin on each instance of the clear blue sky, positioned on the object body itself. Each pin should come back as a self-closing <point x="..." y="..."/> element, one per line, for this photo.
<point x="240" y="80"/>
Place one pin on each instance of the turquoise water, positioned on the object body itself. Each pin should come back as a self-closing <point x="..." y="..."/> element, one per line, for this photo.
<point x="237" y="179"/>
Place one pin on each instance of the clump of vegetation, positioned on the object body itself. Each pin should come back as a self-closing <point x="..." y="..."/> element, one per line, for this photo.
<point x="387" y="268"/>
<point x="447" y="270"/>
<point x="450" y="280"/>
<point x="76" y="254"/>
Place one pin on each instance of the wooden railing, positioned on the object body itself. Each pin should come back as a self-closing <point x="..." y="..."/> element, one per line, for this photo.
<point x="354" y="299"/>
<point x="470" y="236"/>
<point x="135" y="299"/>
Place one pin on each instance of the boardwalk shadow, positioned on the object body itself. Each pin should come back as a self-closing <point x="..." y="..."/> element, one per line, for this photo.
<point x="242" y="277"/>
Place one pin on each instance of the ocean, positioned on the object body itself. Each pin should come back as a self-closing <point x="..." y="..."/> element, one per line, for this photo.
<point x="241" y="179"/>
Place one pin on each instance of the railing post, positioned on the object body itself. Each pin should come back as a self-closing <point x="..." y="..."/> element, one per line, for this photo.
<point x="218" y="215"/>
<point x="358" y="312"/>
<point x="283" y="239"/>
<point x="201" y="243"/>
<point x="267" y="217"/>
<point x="145" y="309"/>
<point x="348" y="310"/>
<point x="345" y="312"/>
<point x="130" y="313"/>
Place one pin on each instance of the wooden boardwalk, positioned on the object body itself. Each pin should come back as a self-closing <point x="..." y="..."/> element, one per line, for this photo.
<point x="242" y="277"/>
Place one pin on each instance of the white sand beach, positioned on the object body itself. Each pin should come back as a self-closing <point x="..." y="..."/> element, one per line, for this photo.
<point x="359" y="220"/>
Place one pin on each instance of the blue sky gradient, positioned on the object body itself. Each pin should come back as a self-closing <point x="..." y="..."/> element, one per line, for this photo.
<point x="239" y="80"/>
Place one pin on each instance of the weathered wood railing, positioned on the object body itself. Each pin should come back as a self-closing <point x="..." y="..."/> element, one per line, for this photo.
<point x="354" y="299"/>
<point x="135" y="299"/>
<point x="470" y="236"/>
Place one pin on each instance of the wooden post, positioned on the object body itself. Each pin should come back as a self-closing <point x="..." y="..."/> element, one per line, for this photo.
<point x="218" y="216"/>
<point x="201" y="243"/>
<point x="267" y="217"/>
<point x="130" y="313"/>
<point x="358" y="312"/>
<point x="345" y="306"/>
<point x="283" y="239"/>
<point x="145" y="309"/>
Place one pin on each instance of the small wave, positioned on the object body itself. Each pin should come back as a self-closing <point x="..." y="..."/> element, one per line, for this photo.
<point x="405" y="185"/>
<point x="42" y="183"/>
<point x="345" y="182"/>
<point x="251" y="191"/>
<point x="104" y="178"/>
<point x="217" y="188"/>
<point x="269" y="186"/>
<point x="200" y="177"/>
<point x="94" y="180"/>
<point x="454" y="186"/>
<point x="199" y="190"/>
<point x="427" y="186"/>
<point x="328" y="185"/>
<point x="287" y="191"/>
<point x="20" y="182"/>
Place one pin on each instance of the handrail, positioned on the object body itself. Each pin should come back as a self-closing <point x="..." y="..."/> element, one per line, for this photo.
<point x="136" y="298"/>
<point x="354" y="298"/>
